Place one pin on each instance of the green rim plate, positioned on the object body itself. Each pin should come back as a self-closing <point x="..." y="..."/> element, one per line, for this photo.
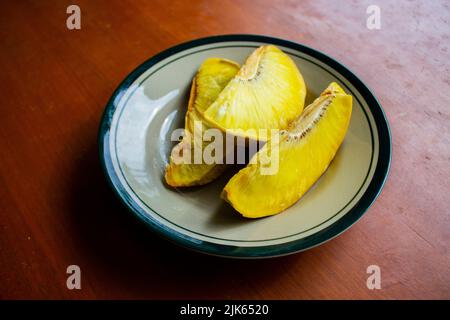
<point x="164" y="228"/>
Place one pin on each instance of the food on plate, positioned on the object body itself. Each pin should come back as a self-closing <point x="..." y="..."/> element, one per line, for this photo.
<point x="261" y="101"/>
<point x="212" y="76"/>
<point x="305" y="151"/>
<point x="267" y="93"/>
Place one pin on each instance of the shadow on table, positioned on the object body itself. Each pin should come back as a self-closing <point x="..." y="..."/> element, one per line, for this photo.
<point x="121" y="258"/>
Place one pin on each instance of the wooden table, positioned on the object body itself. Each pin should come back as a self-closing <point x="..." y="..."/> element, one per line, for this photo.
<point x="56" y="208"/>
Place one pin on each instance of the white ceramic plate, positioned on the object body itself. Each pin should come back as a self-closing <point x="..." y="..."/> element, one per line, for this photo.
<point x="134" y="143"/>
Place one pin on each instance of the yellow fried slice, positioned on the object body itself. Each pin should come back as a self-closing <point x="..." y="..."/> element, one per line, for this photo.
<point x="212" y="76"/>
<point x="304" y="152"/>
<point x="267" y="93"/>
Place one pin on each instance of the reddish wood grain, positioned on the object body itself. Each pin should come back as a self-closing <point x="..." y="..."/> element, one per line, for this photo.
<point x="57" y="210"/>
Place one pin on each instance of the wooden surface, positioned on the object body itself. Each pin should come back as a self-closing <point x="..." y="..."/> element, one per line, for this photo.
<point x="56" y="208"/>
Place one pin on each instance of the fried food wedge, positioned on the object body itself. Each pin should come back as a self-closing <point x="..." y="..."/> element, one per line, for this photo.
<point x="267" y="93"/>
<point x="304" y="152"/>
<point x="212" y="76"/>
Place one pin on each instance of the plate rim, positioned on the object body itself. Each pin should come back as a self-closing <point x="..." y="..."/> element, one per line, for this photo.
<point x="372" y="192"/>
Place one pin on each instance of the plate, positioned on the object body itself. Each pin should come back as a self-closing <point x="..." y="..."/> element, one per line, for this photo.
<point x="135" y="143"/>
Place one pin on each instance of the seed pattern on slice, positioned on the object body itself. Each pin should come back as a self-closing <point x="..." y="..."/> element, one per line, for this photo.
<point x="304" y="151"/>
<point x="267" y="93"/>
<point x="212" y="76"/>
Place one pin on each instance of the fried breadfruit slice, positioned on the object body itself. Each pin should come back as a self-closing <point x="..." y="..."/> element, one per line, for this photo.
<point x="267" y="93"/>
<point x="304" y="152"/>
<point x="212" y="76"/>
